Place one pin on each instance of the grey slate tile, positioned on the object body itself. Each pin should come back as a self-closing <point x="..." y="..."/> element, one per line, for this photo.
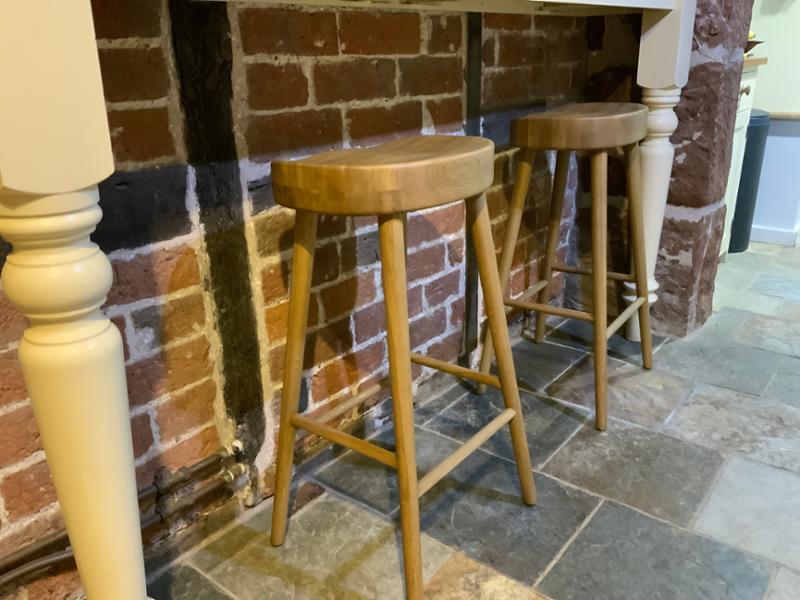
<point x="655" y="473"/>
<point x="622" y="554"/>
<point x="477" y="510"/>
<point x="755" y="507"/>
<point x="580" y="334"/>
<point x="785" y="385"/>
<point x="333" y="550"/>
<point x="539" y="364"/>
<point x="547" y="423"/>
<point x="712" y="355"/>
<point x="641" y="396"/>
<point x="372" y="483"/>
<point x="184" y="583"/>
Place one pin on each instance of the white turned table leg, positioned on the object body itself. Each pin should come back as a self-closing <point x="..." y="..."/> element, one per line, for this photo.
<point x="54" y="148"/>
<point x="657" y="155"/>
<point x="73" y="365"/>
<point x="664" y="58"/>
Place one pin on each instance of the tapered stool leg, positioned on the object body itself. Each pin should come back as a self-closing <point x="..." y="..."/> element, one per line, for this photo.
<point x="305" y="235"/>
<point x="393" y="266"/>
<point x="515" y="210"/>
<point x="478" y="221"/>
<point x="599" y="167"/>
<point x="553" y="233"/>
<point x="638" y="250"/>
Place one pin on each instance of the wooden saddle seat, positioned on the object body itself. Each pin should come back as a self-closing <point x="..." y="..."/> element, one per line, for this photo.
<point x="584" y="126"/>
<point x="400" y="176"/>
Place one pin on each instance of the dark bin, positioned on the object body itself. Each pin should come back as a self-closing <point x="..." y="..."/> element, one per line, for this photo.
<point x="757" y="130"/>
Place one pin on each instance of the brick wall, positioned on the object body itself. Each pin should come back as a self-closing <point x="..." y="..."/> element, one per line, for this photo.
<point x="300" y="81"/>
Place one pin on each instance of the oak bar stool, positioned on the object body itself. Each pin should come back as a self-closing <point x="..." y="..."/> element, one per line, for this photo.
<point x="594" y="128"/>
<point x="389" y="181"/>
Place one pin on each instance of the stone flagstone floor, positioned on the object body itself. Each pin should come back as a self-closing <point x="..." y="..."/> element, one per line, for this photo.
<point x="693" y="493"/>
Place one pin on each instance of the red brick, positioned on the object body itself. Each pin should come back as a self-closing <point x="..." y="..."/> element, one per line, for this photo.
<point x="369" y="322"/>
<point x="507" y="22"/>
<point x="434" y="225"/>
<point x="12" y="322"/>
<point x="12" y="385"/>
<point x="356" y="79"/>
<point x="455" y="252"/>
<point x="398" y="120"/>
<point x="380" y="32"/>
<point x="309" y="131"/>
<point x="436" y="292"/>
<point x="425" y="75"/>
<point x="178" y="318"/>
<point x="32" y="531"/>
<point x="327" y="261"/>
<point x="288" y="31"/>
<point x="428" y="327"/>
<point x="174" y="368"/>
<point x="116" y="19"/>
<point x="140" y="134"/>
<point x="447" y="349"/>
<point x="506" y="87"/>
<point x="489" y="51"/>
<point x="275" y="281"/>
<point x="186" y="410"/>
<point x="447" y="115"/>
<point x="457" y="313"/>
<point x="142" y="433"/>
<point x="59" y="584"/>
<point x="134" y="74"/>
<point x="348" y="295"/>
<point x="119" y="323"/>
<point x="445" y="34"/>
<point x="567" y="47"/>
<point x="157" y="273"/>
<point x="425" y="263"/>
<point x="346" y="371"/>
<point x="28" y="491"/>
<point x="550" y="80"/>
<point x="189" y="451"/>
<point x="20" y="436"/>
<point x="276" y="86"/>
<point x="516" y="50"/>
<point x="553" y="24"/>
<point x="277" y="318"/>
<point x="335" y="339"/>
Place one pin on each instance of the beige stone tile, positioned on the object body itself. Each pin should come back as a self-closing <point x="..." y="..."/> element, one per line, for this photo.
<point x="464" y="579"/>
<point x="735" y="423"/>
<point x="770" y="333"/>
<point x="333" y="551"/>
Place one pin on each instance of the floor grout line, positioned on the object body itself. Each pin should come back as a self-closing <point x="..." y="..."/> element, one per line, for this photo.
<point x="212" y="581"/>
<point x="567" y="544"/>
<point x="560" y="446"/>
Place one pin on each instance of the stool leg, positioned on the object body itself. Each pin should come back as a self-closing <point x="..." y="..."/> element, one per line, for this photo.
<point x="515" y="210"/>
<point x="553" y="233"/>
<point x="393" y="266"/>
<point x="638" y="250"/>
<point x="478" y="221"/>
<point x="305" y="235"/>
<point x="599" y="166"/>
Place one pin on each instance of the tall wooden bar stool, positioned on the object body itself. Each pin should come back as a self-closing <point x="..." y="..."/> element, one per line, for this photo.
<point x="389" y="181"/>
<point x="594" y="128"/>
